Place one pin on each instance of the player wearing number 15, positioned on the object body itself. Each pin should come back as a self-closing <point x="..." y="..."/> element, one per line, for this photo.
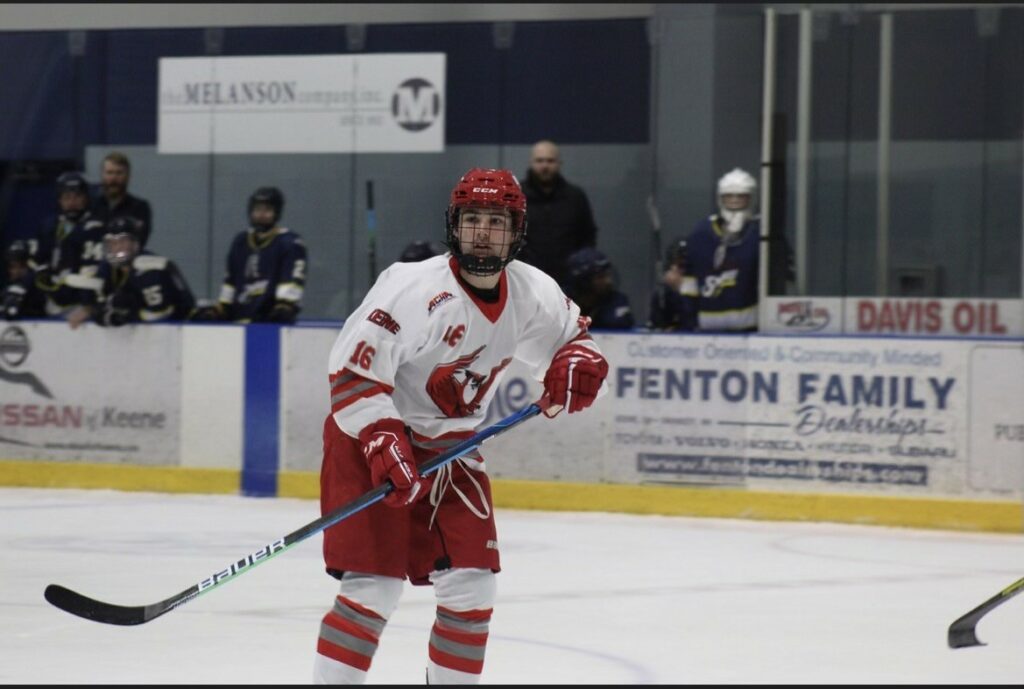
<point x="266" y="268"/>
<point x="135" y="286"/>
<point x="412" y="373"/>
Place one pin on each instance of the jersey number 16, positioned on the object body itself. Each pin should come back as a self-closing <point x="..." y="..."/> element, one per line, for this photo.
<point x="363" y="356"/>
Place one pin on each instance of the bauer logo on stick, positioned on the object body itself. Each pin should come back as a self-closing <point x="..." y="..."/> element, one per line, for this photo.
<point x="236" y="567"/>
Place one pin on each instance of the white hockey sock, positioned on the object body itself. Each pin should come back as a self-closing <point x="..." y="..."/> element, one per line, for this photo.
<point x="350" y="631"/>
<point x="458" y="640"/>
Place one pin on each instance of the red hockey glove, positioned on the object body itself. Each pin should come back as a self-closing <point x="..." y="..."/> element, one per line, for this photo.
<point x="573" y="378"/>
<point x="390" y="457"/>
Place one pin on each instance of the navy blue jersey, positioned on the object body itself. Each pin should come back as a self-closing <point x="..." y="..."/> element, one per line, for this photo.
<point x="263" y="271"/>
<point x="671" y="310"/>
<point x="151" y="289"/>
<point x="726" y="272"/>
<point x="23" y="299"/>
<point x="65" y="256"/>
<point x="611" y="313"/>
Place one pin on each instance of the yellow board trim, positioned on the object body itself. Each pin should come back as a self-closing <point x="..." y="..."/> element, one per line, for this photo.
<point x="931" y="513"/>
<point x="33" y="474"/>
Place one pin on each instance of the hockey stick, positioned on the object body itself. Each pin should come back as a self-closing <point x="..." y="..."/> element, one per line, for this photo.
<point x="98" y="611"/>
<point x="371" y="227"/>
<point x="961" y="632"/>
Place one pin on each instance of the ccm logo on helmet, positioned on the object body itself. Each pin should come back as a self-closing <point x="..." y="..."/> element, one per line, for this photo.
<point x="484" y="190"/>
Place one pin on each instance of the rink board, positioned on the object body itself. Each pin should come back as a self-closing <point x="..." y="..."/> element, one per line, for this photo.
<point x="916" y="432"/>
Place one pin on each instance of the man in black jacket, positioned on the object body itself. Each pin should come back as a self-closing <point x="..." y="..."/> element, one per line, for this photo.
<point x="115" y="201"/>
<point x="559" y="220"/>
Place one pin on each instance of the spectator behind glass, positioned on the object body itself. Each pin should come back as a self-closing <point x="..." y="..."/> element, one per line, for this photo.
<point x="674" y="300"/>
<point x="21" y="297"/>
<point x="559" y="220"/>
<point x="592" y="287"/>
<point x="723" y="258"/>
<point x="135" y="286"/>
<point x="115" y="201"/>
<point x="266" y="268"/>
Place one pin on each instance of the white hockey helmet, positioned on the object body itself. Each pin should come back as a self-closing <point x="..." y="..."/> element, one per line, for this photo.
<point x="738" y="181"/>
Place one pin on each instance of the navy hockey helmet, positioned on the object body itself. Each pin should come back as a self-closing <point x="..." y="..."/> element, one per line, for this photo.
<point x="677" y="254"/>
<point x="271" y="196"/>
<point x="587" y="262"/>
<point x="122" y="239"/>
<point x="17" y="252"/>
<point x="486" y="188"/>
<point x="418" y="251"/>
<point x="73" y="182"/>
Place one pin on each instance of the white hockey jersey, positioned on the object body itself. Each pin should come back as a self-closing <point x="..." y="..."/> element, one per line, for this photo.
<point x="424" y="349"/>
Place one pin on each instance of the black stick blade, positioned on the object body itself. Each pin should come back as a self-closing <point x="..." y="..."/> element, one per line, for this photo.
<point x="961" y="632"/>
<point x="83" y="606"/>
<point x="962" y="637"/>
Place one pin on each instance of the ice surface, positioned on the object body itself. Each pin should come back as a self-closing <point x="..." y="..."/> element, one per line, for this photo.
<point x="583" y="598"/>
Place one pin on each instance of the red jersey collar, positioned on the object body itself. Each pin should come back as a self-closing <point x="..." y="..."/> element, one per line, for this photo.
<point x="491" y="310"/>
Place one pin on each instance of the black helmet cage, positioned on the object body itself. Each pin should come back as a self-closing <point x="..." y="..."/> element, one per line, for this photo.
<point x="484" y="265"/>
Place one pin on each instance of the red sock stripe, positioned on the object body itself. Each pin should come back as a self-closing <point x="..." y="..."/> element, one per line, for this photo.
<point x="469" y="615"/>
<point x="333" y="619"/>
<point x="343" y="655"/>
<point x="455" y="663"/>
<point x="467" y="638"/>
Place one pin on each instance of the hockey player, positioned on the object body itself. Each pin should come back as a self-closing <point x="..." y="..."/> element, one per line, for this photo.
<point x="674" y="300"/>
<point x="135" y="286"/>
<point x="592" y="286"/>
<point x="266" y="268"/>
<point x="723" y="252"/>
<point x="65" y="257"/>
<point x="412" y="373"/>
<point x="21" y="298"/>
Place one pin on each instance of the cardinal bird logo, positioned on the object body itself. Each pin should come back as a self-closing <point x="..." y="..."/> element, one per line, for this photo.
<point x="458" y="391"/>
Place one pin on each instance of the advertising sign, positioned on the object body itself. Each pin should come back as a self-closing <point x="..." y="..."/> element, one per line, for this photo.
<point x="384" y="103"/>
<point x="94" y="394"/>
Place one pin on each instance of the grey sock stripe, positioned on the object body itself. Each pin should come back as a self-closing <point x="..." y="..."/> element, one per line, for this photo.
<point x="456" y="649"/>
<point x="372" y="624"/>
<point x="345" y="640"/>
<point x="462" y="625"/>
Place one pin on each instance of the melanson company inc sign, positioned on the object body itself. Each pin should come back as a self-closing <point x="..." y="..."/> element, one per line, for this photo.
<point x="302" y="104"/>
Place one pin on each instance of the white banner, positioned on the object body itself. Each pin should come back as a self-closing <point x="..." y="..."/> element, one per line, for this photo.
<point x="93" y="394"/>
<point x="384" y="103"/>
<point x="852" y="415"/>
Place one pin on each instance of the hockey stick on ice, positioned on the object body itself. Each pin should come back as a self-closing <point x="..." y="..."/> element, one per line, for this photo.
<point x="961" y="632"/>
<point x="98" y="611"/>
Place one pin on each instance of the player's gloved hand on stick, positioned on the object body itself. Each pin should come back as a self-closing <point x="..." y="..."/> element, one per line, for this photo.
<point x="390" y="456"/>
<point x="573" y="378"/>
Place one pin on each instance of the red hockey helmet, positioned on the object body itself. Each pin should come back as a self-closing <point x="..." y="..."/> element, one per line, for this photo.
<point x="486" y="188"/>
